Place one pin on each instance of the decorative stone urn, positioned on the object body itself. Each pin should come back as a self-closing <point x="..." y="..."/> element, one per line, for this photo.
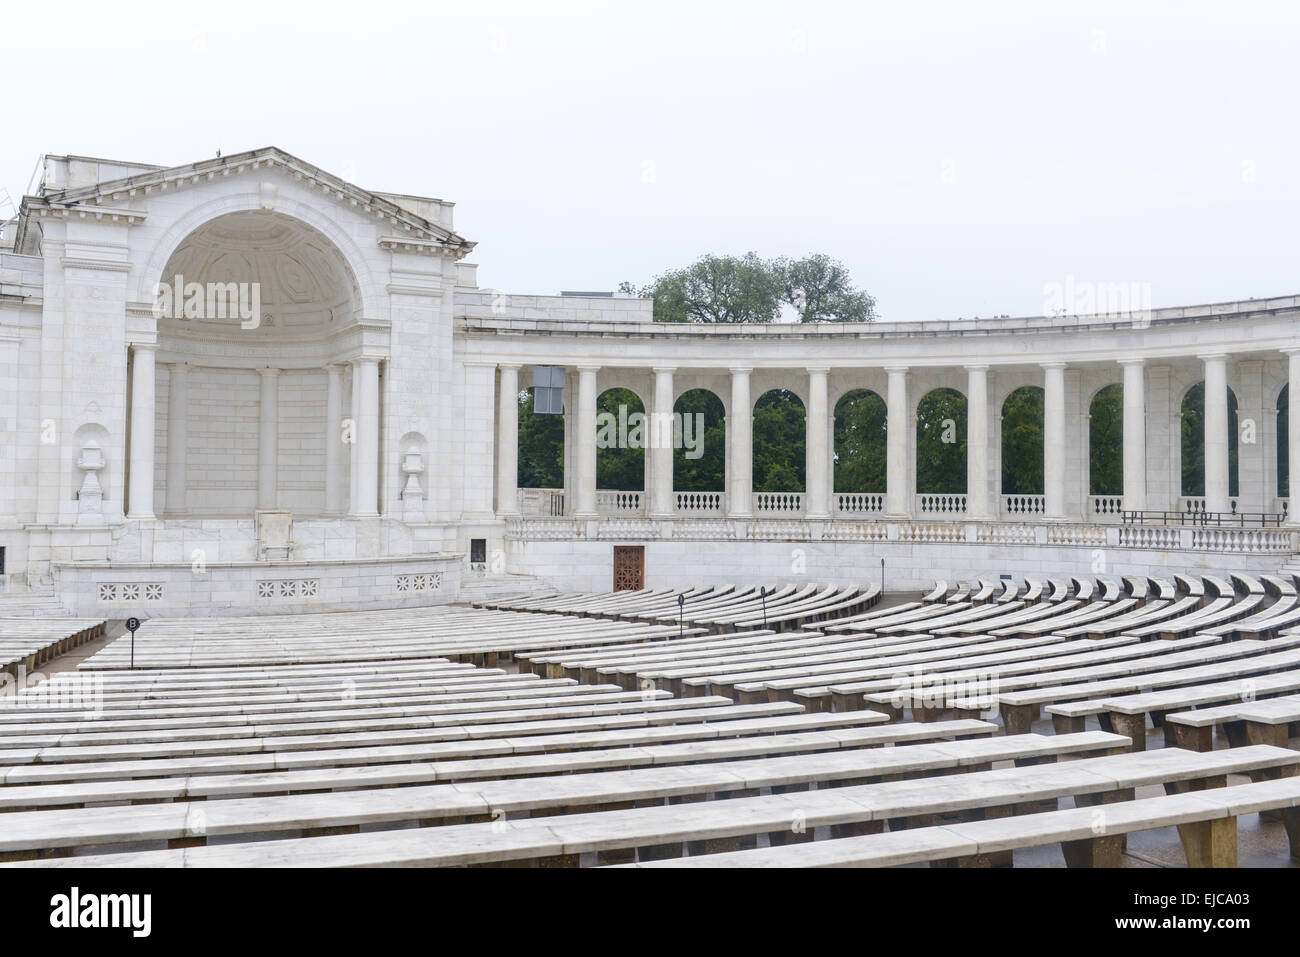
<point x="412" y="493"/>
<point x="90" y="497"/>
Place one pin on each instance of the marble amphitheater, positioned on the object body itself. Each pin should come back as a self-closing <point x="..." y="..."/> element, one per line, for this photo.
<point x="274" y="415"/>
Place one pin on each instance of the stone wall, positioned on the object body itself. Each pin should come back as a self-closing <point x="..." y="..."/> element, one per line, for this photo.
<point x="252" y="588"/>
<point x="909" y="566"/>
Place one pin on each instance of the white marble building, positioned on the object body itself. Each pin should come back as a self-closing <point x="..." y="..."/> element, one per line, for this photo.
<point x="354" y="441"/>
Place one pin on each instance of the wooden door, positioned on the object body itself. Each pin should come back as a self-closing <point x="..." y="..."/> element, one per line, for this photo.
<point x="629" y="567"/>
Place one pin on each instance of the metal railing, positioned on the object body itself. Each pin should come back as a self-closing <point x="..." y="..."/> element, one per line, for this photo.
<point x="1203" y="519"/>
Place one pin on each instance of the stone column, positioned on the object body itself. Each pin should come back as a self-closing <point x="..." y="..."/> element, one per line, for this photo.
<point x="585" y="442"/>
<point x="1135" y="435"/>
<point x="817" y="446"/>
<point x="570" y="441"/>
<point x="897" y="441"/>
<point x="1054" y="440"/>
<point x="508" y="441"/>
<point x="977" y="444"/>
<point x="1253" y="453"/>
<point x="354" y="416"/>
<point x="142" y="426"/>
<point x="659" y="446"/>
<point x="1292" y="491"/>
<point x="1216" y="433"/>
<point x="365" y="446"/>
<point x="334" y="504"/>
<point x="177" y="433"/>
<point x="740" y="441"/>
<point x="268" y="437"/>
<point x="1164" y="440"/>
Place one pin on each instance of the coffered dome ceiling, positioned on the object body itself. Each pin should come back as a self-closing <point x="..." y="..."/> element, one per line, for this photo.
<point x="304" y="286"/>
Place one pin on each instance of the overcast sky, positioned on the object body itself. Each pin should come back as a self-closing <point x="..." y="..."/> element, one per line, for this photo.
<point x="956" y="156"/>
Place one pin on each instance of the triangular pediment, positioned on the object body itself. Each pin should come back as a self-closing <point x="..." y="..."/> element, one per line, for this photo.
<point x="407" y="226"/>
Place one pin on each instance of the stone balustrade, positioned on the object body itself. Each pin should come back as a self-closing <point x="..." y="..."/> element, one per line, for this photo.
<point x="1270" y="541"/>
<point x="696" y="503"/>
<point x="785" y="502"/>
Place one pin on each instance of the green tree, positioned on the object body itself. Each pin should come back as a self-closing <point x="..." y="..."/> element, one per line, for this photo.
<point x="860" y="449"/>
<point x="749" y="288"/>
<point x="622" y="468"/>
<point x="779" y="441"/>
<point x="1106" y="442"/>
<point x="708" y="472"/>
<point x="723" y="289"/>
<point x="819" y="289"/>
<point x="541" y="446"/>
<point x="1022" y="442"/>
<point x="941" y="443"/>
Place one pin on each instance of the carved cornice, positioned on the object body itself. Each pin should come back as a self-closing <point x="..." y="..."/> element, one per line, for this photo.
<point x="88" y="201"/>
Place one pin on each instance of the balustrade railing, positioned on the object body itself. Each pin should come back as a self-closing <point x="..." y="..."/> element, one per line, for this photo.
<point x="699" y="503"/>
<point x="1240" y="539"/>
<point x="1103" y="508"/>
<point x="941" y="504"/>
<point x="788" y="503"/>
<point x="1024" y="504"/>
<point x="1231" y="537"/>
<point x="545" y="502"/>
<point x="614" y="502"/>
<point x="859" y="503"/>
<point x="1196" y="503"/>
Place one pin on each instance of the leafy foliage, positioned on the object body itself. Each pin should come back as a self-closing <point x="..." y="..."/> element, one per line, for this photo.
<point x="541" y="446"/>
<point x="708" y="472"/>
<point x="1022" y="442"/>
<point x="779" y="442"/>
<point x="730" y="289"/>
<point x="620" y="469"/>
<point x="941" y="442"/>
<point x="722" y="289"/>
<point x="861" y="418"/>
<point x="1106" y="441"/>
<point x="819" y="289"/>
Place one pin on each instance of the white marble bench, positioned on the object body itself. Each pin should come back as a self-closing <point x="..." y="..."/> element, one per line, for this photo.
<point x="1260" y="721"/>
<point x="188" y="824"/>
<point x="1035" y="677"/>
<point x="495" y="767"/>
<point x="747" y="679"/>
<point x="1207" y="823"/>
<point x="700" y="709"/>
<point x="1100" y="784"/>
<point x="1073" y="697"/>
<point x="759" y="725"/>
<point x="811" y="686"/>
<point x="1128" y="713"/>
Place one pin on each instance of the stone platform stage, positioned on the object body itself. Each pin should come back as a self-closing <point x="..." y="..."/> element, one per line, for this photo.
<point x="152" y="589"/>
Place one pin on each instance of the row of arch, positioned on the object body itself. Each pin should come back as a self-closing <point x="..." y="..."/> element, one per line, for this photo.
<point x="860" y="431"/>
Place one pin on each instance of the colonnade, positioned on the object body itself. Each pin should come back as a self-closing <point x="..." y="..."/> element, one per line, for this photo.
<point x="980" y="502"/>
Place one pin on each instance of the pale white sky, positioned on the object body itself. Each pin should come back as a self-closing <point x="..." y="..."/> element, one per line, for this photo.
<point x="957" y="156"/>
